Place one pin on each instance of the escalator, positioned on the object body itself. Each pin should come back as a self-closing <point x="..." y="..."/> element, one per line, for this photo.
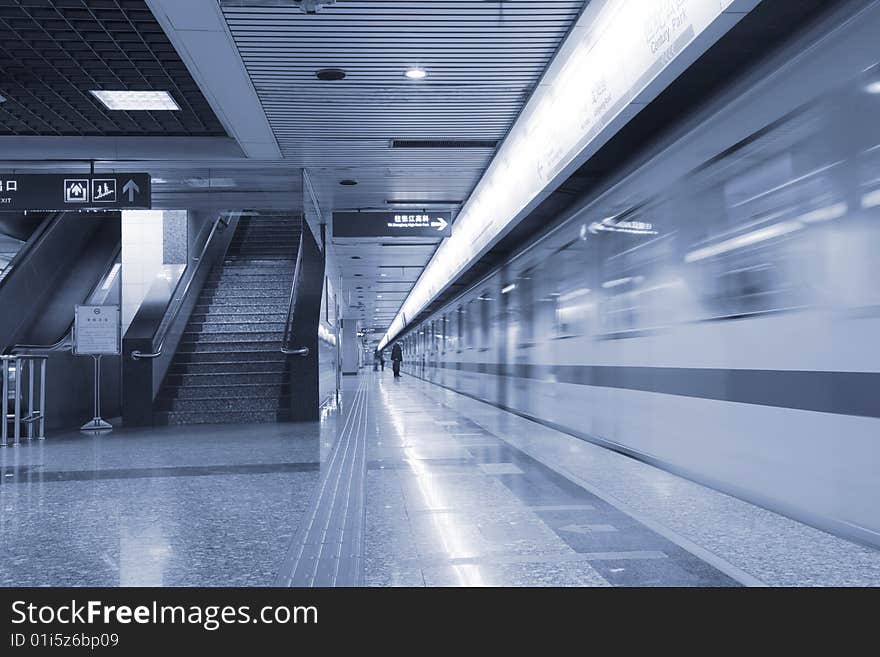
<point x="68" y="259"/>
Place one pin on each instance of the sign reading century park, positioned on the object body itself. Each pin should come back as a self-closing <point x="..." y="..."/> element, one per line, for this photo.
<point x="392" y="224"/>
<point x="75" y="191"/>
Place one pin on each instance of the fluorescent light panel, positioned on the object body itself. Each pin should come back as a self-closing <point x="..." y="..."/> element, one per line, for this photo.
<point x="136" y="100"/>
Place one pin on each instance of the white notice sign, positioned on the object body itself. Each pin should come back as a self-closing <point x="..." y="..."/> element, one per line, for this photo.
<point x="96" y="330"/>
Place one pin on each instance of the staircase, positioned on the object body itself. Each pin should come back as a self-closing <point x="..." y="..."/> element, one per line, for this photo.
<point x="229" y="367"/>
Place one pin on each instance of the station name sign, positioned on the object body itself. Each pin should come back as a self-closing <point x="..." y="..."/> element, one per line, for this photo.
<point x="75" y="191"/>
<point x="392" y="224"/>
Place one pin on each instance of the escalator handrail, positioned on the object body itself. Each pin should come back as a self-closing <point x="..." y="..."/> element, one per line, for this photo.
<point x="221" y="223"/>
<point x="29" y="244"/>
<point x="286" y="347"/>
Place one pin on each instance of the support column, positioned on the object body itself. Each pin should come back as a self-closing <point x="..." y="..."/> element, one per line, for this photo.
<point x="350" y="347"/>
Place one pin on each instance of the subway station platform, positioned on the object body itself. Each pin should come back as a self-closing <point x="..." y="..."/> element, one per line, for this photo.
<point x="402" y="483"/>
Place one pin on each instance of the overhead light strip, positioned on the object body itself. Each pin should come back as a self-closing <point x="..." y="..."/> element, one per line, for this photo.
<point x="136" y="100"/>
<point x="618" y="56"/>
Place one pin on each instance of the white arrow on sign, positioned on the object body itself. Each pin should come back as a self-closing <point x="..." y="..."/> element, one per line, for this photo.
<point x="440" y="224"/>
<point x="587" y="529"/>
<point x="131" y="189"/>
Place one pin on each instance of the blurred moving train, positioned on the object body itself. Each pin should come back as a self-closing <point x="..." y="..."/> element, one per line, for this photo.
<point x="716" y="310"/>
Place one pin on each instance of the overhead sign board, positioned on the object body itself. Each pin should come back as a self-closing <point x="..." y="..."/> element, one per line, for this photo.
<point x="392" y="224"/>
<point x="96" y="330"/>
<point x="72" y="191"/>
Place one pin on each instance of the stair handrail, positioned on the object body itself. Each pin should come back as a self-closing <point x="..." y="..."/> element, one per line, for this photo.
<point x="286" y="347"/>
<point x="220" y="224"/>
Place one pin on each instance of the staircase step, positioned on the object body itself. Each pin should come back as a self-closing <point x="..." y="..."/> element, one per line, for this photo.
<point x="221" y="404"/>
<point x="243" y="309"/>
<point x="219" y="417"/>
<point x="234" y="337"/>
<point x="228" y="368"/>
<point x="280" y="279"/>
<point x="221" y="323"/>
<point x="273" y="274"/>
<point x="197" y="381"/>
<point x="266" y="239"/>
<point x="237" y="347"/>
<point x="256" y="261"/>
<point x="236" y="266"/>
<point x="242" y="358"/>
<point x="220" y="293"/>
<point x="240" y="391"/>
<point x="241" y="287"/>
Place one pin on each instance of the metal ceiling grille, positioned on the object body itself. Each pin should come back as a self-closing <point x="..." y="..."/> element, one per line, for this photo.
<point x="482" y="58"/>
<point x="53" y="52"/>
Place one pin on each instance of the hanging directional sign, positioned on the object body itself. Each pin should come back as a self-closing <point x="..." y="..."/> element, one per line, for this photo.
<point x="72" y="191"/>
<point x="392" y="224"/>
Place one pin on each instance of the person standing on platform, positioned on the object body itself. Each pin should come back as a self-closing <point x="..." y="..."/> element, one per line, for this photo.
<point x="396" y="359"/>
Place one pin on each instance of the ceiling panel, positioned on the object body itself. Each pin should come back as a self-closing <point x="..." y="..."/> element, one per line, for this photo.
<point x="53" y="52"/>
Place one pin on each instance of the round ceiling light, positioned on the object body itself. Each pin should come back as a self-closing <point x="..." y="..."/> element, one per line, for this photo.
<point x="330" y="74"/>
<point x="416" y="74"/>
<point x="348" y="182"/>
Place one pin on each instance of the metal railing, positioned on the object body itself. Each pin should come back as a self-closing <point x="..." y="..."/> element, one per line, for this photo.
<point x="24" y="411"/>
<point x="220" y="225"/>
<point x="286" y="347"/>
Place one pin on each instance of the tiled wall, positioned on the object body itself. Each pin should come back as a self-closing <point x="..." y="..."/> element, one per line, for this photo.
<point x="175" y="232"/>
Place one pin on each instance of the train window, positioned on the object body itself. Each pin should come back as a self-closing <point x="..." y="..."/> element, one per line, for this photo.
<point x="526" y="300"/>
<point x="639" y="283"/>
<point x="485" y="299"/>
<point x="751" y="259"/>
<point x="468" y="314"/>
<point x="571" y="292"/>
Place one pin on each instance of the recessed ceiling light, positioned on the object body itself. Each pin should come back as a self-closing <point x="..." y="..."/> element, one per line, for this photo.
<point x="136" y="100"/>
<point x="348" y="182"/>
<point x="873" y="87"/>
<point x="2" y="99"/>
<point x="330" y="74"/>
<point x="416" y="74"/>
<point x="355" y="257"/>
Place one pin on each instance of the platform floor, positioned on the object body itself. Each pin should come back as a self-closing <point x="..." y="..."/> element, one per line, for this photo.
<point x="402" y="483"/>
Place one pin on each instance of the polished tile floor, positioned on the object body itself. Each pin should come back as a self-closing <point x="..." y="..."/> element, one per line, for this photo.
<point x="402" y="483"/>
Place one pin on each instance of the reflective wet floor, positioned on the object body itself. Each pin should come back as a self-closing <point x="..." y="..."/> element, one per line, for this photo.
<point x="402" y="483"/>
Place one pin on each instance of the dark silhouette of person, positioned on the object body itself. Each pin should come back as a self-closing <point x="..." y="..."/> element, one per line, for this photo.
<point x="396" y="359"/>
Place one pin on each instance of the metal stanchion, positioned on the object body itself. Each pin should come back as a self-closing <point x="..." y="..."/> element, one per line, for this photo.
<point x="14" y="366"/>
<point x="17" y="425"/>
<point x="97" y="423"/>
<point x="30" y="427"/>
<point x="42" y="432"/>
<point x="4" y="436"/>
